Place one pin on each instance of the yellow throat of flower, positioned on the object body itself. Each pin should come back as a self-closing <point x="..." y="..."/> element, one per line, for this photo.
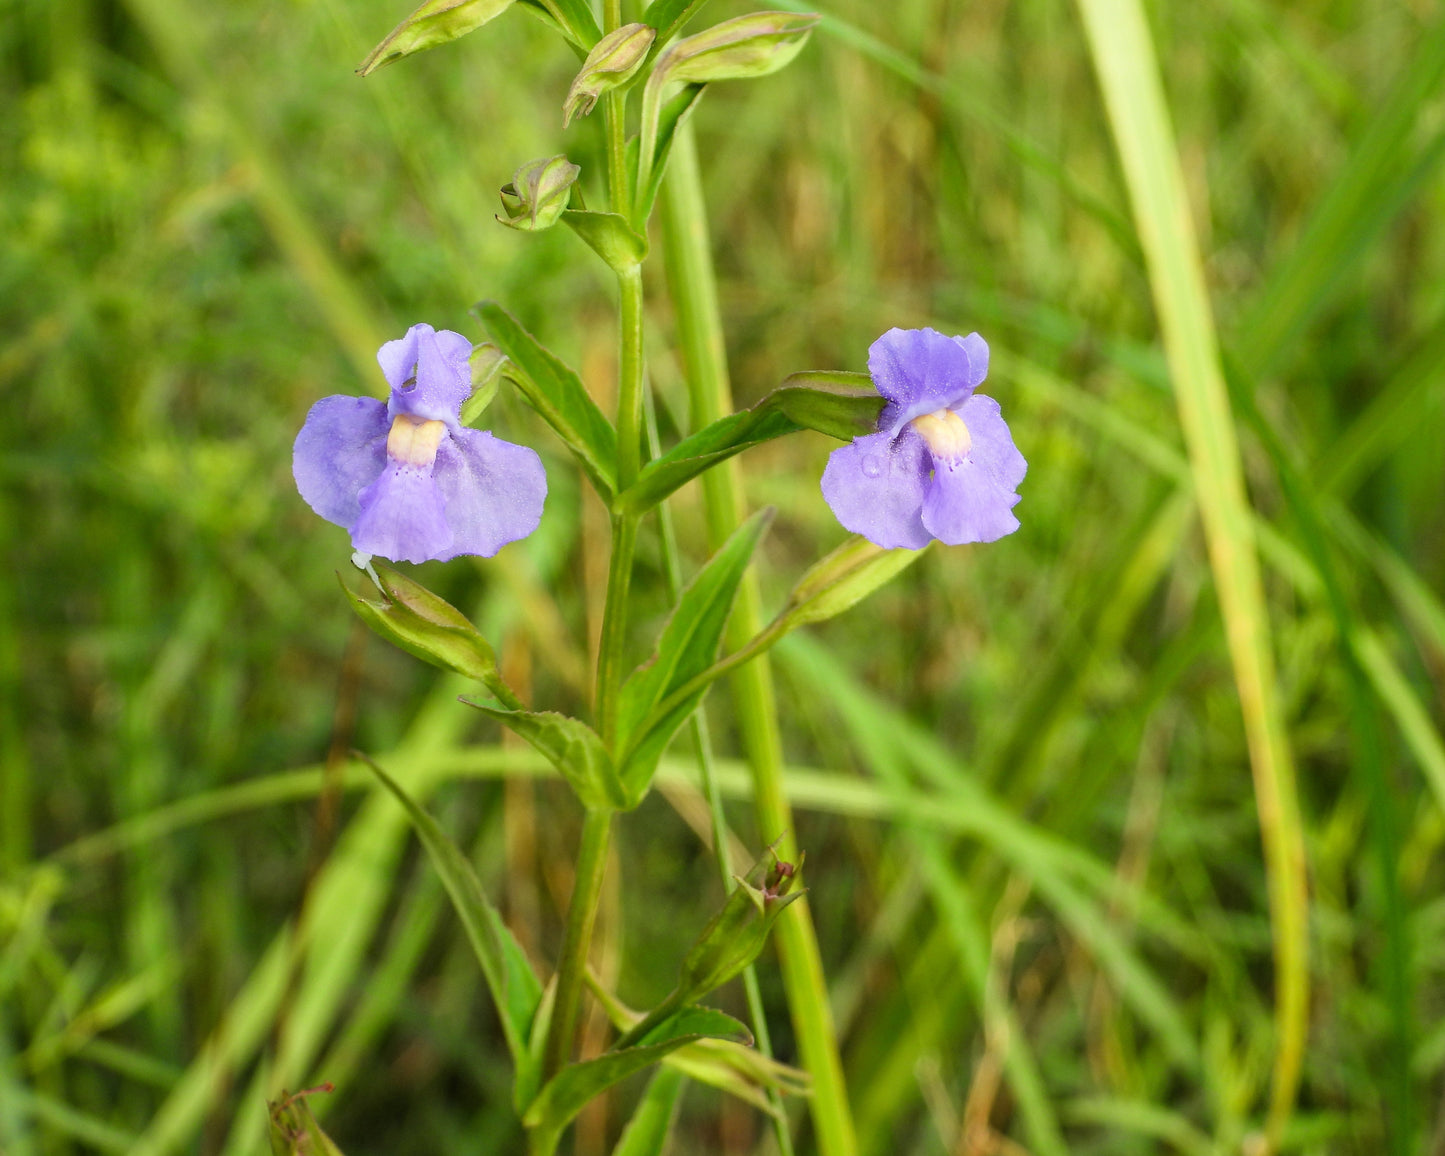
<point x="944" y="432"/>
<point x="413" y="441"/>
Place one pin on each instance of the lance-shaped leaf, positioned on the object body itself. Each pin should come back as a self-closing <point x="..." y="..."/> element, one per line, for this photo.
<point x="538" y="193"/>
<point x="726" y="1065"/>
<point x="669" y="17"/>
<point x="574" y="19"/>
<point x="572" y="747"/>
<point x="435" y="22"/>
<point x="614" y="61"/>
<point x="510" y="977"/>
<point x="673" y="114"/>
<point x="434" y="630"/>
<point x="739" y="49"/>
<point x="649" y="709"/>
<point x="646" y="1132"/>
<point x="571" y="1089"/>
<point x="558" y="395"/>
<point x="841" y="414"/>
<point x="610" y="237"/>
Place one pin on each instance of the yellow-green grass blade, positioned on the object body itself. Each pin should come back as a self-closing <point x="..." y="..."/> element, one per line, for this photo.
<point x="1128" y="71"/>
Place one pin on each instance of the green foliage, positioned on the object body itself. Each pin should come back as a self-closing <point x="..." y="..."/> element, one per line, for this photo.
<point x="435" y="22"/>
<point x="210" y="223"/>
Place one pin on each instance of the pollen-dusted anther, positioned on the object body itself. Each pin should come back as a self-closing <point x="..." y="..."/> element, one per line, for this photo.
<point x="413" y="442"/>
<point x="944" y="433"/>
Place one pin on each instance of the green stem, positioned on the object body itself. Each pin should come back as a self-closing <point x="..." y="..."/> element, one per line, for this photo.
<point x="693" y="288"/>
<point x="576" y="939"/>
<point x="612" y="654"/>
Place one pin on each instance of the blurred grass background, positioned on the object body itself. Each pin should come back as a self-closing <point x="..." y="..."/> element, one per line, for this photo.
<point x="208" y="222"/>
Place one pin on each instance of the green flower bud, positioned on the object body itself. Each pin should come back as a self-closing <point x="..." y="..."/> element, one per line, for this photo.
<point x="739" y="49"/>
<point x="434" y="630"/>
<point x="435" y="22"/>
<point x="737" y="933"/>
<point x="294" y="1130"/>
<point x="610" y="65"/>
<point x="538" y="193"/>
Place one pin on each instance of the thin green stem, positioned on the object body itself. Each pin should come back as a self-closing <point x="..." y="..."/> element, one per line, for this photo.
<point x="576" y="939"/>
<point x="612" y="654"/>
<point x="693" y="288"/>
<point x="629" y="383"/>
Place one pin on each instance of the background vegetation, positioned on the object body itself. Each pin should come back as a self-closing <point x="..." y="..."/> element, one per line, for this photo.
<point x="1027" y="757"/>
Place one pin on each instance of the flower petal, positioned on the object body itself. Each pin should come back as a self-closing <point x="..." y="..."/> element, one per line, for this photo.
<point x="403" y="516"/>
<point x="338" y="453"/>
<point x="494" y="491"/>
<point x="437" y="360"/>
<point x="993" y="445"/>
<point x="875" y="487"/>
<point x="965" y="503"/>
<point x="920" y="371"/>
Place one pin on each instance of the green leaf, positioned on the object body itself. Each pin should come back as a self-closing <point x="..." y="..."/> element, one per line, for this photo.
<point x="610" y="237"/>
<point x="435" y="22"/>
<point x="513" y="984"/>
<point x="646" y="1133"/>
<point x="571" y="1089"/>
<point x="572" y="747"/>
<point x="843" y="579"/>
<point x="528" y="1080"/>
<point x="558" y="395"/>
<point x="669" y="17"/>
<point x="670" y="118"/>
<point x="434" y="630"/>
<point x="575" y="19"/>
<point x="648" y="709"/>
<point x="841" y="414"/>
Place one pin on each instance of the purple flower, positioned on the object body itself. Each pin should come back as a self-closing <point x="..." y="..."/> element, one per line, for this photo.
<point x="942" y="464"/>
<point x="405" y="477"/>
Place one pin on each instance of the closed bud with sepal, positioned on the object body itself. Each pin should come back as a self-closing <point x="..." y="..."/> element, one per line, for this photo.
<point x="610" y="65"/>
<point x="539" y="193"/>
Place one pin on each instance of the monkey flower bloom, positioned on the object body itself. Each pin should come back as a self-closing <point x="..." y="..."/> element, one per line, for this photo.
<point x="405" y="477"/>
<point x="942" y="464"/>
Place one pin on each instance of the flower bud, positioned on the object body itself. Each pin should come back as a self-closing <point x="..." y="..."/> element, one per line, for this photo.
<point x="294" y="1130"/>
<point x="610" y="65"/>
<point x="738" y="932"/>
<point x="434" y="630"/>
<point x="538" y="193"/>
<point x="739" y="49"/>
<point x="435" y="22"/>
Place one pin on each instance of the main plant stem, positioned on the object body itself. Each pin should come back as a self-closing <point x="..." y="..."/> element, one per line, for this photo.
<point x="693" y="288"/>
<point x="597" y="827"/>
<point x="577" y="939"/>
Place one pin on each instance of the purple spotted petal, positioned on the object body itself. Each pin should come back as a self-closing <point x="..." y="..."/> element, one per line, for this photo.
<point x="920" y="371"/>
<point x="403" y="516"/>
<point x="339" y="452"/>
<point x="428" y="373"/>
<point x="966" y="503"/>
<point x="875" y="486"/>
<point x="993" y="445"/>
<point x="494" y="491"/>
